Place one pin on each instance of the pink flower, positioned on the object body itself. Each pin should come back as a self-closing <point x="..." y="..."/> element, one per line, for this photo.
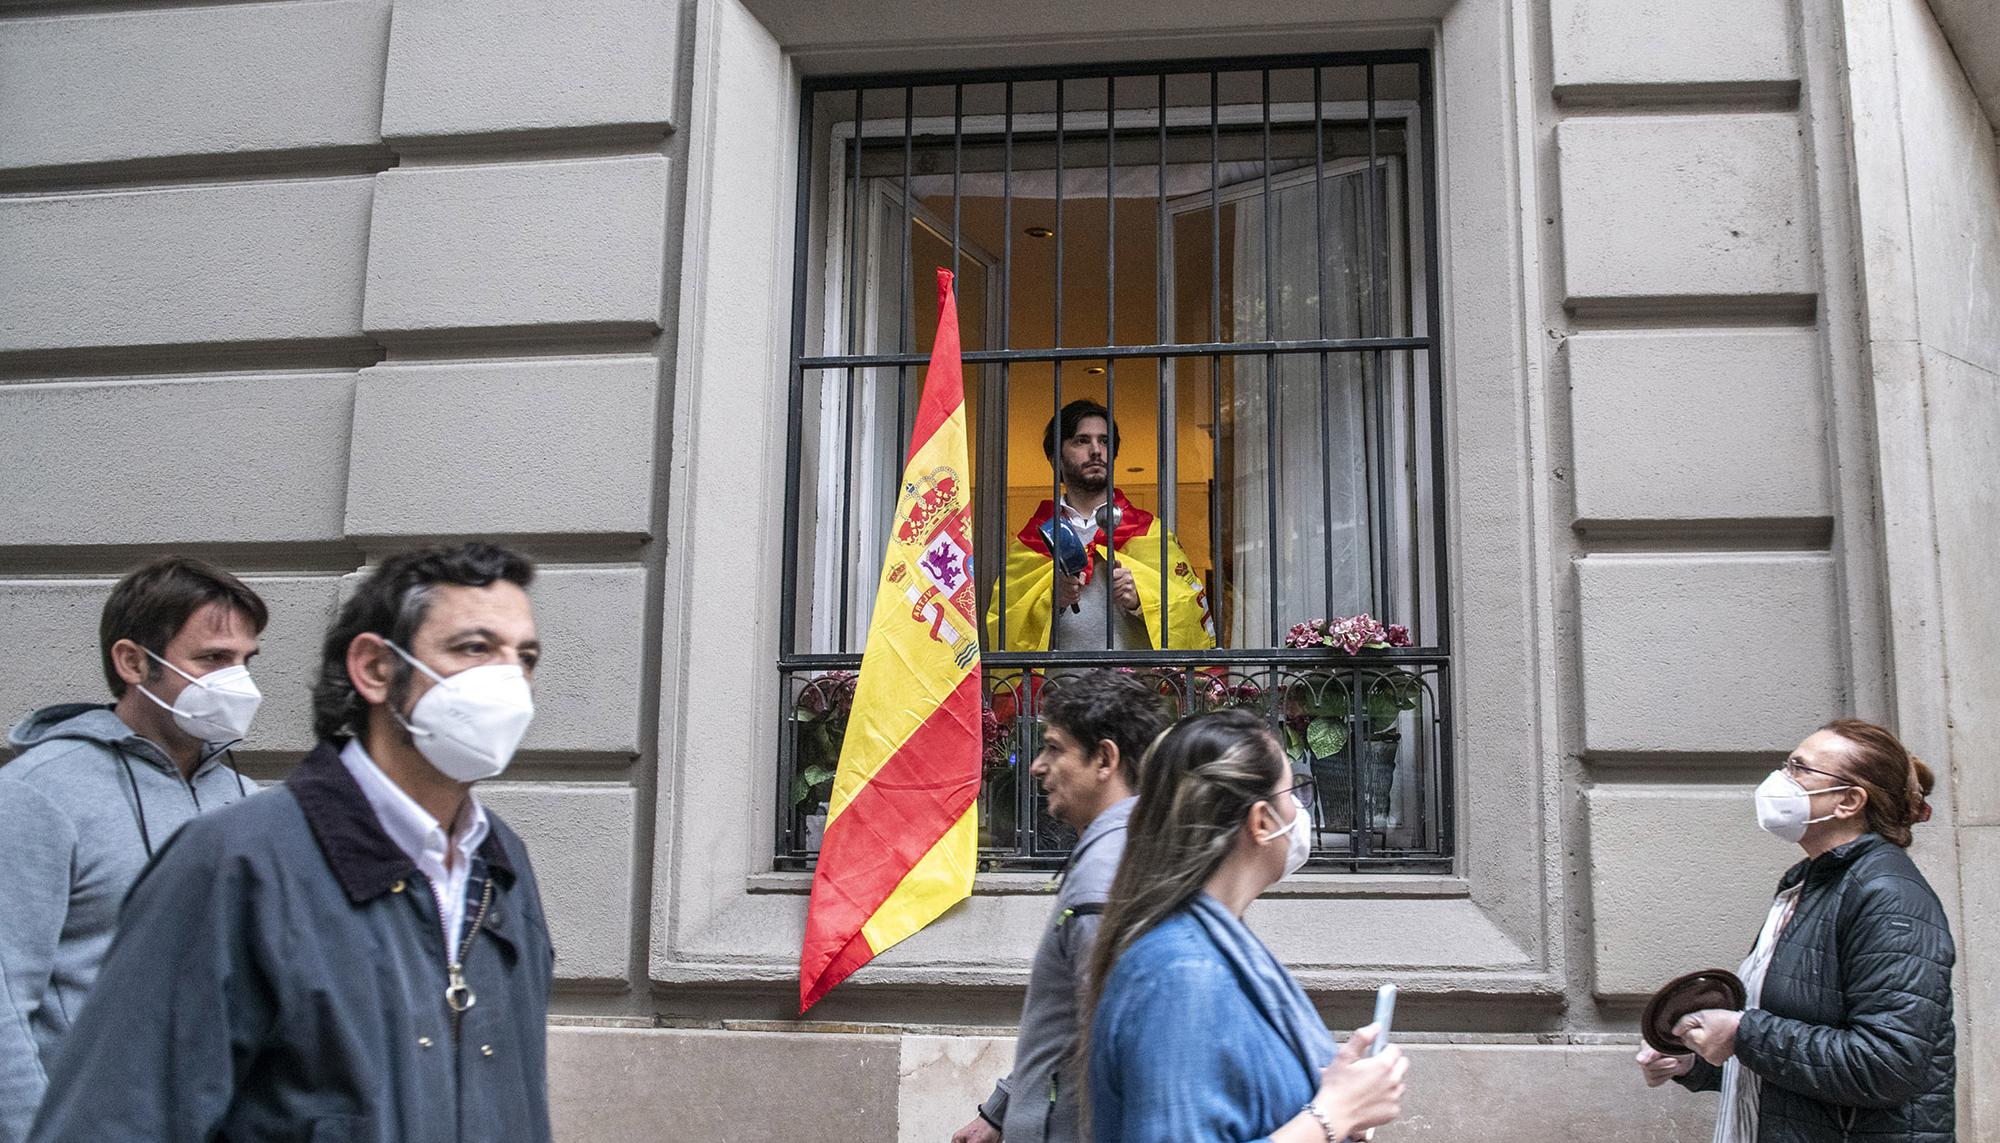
<point x="994" y="734"/>
<point x="1354" y="632"/>
<point x="1350" y="633"/>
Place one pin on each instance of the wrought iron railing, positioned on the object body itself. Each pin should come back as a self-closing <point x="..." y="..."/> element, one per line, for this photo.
<point x="1368" y="732"/>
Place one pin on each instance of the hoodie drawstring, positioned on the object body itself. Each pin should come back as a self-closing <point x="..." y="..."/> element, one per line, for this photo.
<point x="235" y="770"/>
<point x="138" y="804"/>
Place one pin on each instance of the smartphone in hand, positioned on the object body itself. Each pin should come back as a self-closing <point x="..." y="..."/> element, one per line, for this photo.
<point x="1385" y="1016"/>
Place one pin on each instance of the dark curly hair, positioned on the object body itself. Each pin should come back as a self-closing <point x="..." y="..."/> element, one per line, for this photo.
<point x="1093" y="706"/>
<point x="392" y="602"/>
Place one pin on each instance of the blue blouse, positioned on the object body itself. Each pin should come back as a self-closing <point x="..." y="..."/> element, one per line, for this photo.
<point x="1201" y="1036"/>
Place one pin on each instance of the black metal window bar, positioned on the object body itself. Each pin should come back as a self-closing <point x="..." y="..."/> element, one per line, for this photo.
<point x="1238" y="260"/>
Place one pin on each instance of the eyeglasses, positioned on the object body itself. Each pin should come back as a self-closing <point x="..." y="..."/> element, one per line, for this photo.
<point x="1303" y="793"/>
<point x="1793" y="768"/>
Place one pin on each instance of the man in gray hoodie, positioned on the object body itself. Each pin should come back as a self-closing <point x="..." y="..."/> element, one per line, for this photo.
<point x="96" y="790"/>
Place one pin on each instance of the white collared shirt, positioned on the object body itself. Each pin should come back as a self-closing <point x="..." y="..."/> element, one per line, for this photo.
<point x="418" y="834"/>
<point x="1083" y="524"/>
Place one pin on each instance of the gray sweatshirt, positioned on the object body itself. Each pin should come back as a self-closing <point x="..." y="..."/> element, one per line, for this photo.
<point x="71" y="845"/>
<point x="1038" y="1103"/>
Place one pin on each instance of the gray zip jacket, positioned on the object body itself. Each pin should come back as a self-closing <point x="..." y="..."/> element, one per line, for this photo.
<point x="72" y="843"/>
<point x="1038" y="1100"/>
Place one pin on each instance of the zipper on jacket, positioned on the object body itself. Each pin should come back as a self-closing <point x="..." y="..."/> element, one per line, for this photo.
<point x="458" y="995"/>
<point x="139" y="799"/>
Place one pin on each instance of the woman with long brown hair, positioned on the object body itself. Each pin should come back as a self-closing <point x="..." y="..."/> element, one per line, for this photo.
<point x="1847" y="1033"/>
<point x="1199" y="1034"/>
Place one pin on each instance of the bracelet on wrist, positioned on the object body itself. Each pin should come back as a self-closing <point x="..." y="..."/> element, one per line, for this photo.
<point x="1325" y="1124"/>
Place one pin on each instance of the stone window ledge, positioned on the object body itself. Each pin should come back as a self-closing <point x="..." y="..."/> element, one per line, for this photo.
<point x="1340" y="886"/>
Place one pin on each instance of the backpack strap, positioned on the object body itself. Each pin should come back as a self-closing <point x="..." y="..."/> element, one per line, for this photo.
<point x="1084" y="909"/>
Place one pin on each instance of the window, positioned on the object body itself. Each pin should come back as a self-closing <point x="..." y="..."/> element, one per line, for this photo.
<point x="1236" y="263"/>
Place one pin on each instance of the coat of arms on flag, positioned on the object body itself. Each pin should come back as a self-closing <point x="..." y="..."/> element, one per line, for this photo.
<point x="935" y="521"/>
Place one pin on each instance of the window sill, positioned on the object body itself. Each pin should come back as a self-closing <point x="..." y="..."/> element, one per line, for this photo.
<point x="1344" y="886"/>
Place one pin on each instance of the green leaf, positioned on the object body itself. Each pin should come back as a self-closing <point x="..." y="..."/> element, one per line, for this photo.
<point x="809" y="781"/>
<point x="1389" y="694"/>
<point x="1328" y="703"/>
<point x="1295" y="743"/>
<point x="1409" y="691"/>
<point x="827" y="738"/>
<point x="1381" y="707"/>
<point x="1326" y="736"/>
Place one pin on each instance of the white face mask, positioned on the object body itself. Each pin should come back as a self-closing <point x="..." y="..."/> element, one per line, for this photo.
<point x="1784" y="808"/>
<point x="469" y="725"/>
<point x="1298" y="837"/>
<point x="215" y="708"/>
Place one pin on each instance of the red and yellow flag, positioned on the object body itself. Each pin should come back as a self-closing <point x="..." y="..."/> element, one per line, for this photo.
<point x="902" y="830"/>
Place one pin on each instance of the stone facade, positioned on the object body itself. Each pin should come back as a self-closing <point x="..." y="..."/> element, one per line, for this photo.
<point x="1722" y="311"/>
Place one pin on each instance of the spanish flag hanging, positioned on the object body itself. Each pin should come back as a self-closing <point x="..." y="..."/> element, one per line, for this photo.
<point x="902" y="828"/>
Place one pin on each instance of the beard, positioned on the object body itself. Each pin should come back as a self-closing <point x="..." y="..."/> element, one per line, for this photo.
<point x="1077" y="480"/>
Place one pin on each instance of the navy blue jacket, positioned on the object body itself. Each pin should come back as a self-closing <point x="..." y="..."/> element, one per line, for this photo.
<point x="279" y="974"/>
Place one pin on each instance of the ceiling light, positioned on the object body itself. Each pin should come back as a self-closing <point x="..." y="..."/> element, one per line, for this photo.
<point x="1093" y="370"/>
<point x="1040" y="232"/>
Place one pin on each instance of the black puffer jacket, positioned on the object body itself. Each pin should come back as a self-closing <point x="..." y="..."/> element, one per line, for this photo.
<point x="1853" y="1037"/>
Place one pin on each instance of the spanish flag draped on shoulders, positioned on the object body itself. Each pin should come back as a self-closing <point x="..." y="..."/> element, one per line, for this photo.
<point x="1171" y="596"/>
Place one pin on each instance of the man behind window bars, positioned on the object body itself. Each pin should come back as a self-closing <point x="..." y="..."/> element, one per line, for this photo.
<point x="1056" y="594"/>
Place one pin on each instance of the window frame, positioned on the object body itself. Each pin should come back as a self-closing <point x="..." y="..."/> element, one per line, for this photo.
<point x="1423" y="335"/>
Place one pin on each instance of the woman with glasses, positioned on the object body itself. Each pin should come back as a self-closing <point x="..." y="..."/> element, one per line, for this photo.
<point x="1199" y="1034"/>
<point x="1847" y="1031"/>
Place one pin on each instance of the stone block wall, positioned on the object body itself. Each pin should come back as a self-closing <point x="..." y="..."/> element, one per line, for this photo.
<point x="1716" y="567"/>
<point x="295" y="285"/>
<point x="1928" y="192"/>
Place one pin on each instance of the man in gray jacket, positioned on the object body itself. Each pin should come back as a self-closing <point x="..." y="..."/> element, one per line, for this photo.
<point x="359" y="954"/>
<point x="96" y="790"/>
<point x="1096" y="727"/>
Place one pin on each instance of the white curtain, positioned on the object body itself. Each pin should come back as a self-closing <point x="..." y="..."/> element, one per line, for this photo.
<point x="1277" y="400"/>
<point x="855" y="494"/>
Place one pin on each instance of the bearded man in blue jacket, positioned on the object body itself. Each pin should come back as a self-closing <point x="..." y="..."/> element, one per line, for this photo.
<point x="359" y="954"/>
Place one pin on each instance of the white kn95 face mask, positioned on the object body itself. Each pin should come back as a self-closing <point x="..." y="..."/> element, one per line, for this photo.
<point x="1784" y="808"/>
<point x="470" y="723"/>
<point x="215" y="708"/>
